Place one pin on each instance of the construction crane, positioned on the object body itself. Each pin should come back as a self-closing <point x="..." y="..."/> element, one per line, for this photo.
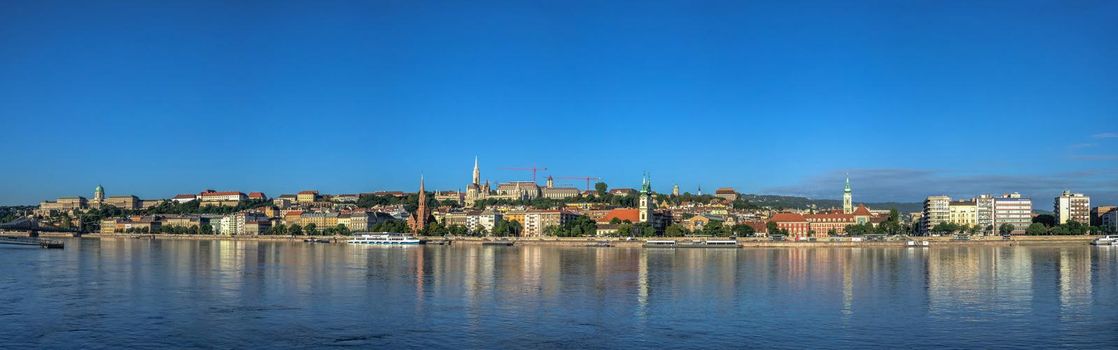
<point x="587" y="178"/>
<point x="532" y="169"/>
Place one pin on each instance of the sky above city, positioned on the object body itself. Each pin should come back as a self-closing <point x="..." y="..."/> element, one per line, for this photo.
<point x="910" y="98"/>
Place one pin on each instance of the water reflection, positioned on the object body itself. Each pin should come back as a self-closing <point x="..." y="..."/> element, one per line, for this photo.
<point x="531" y="295"/>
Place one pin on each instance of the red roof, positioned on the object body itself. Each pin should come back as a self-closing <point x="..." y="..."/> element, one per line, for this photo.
<point x="631" y="214"/>
<point x="184" y="196"/>
<point x="228" y="193"/>
<point x="293" y="213"/>
<point x="256" y="195"/>
<point x="725" y="190"/>
<point x="787" y="217"/>
<point x="308" y="192"/>
<point x="862" y="210"/>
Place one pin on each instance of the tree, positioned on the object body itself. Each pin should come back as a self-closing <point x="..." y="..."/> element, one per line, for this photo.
<point x="481" y="231"/>
<point x="772" y="228"/>
<point x="675" y="230"/>
<point x="713" y="229"/>
<point x="341" y="230"/>
<point x="296" y="230"/>
<point x="458" y="230"/>
<point x="742" y="230"/>
<point x="1036" y="229"/>
<point x="601" y="188"/>
<point x="311" y="229"/>
<point x="1047" y="219"/>
<point x="207" y="229"/>
<point x="1006" y="229"/>
<point x="279" y="229"/>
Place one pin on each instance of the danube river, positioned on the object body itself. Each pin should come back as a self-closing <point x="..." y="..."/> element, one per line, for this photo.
<point x="117" y="293"/>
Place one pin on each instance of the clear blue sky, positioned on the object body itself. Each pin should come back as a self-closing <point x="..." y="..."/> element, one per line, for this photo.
<point x="911" y="98"/>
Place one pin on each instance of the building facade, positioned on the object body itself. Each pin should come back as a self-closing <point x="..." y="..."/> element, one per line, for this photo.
<point x="937" y="209"/>
<point x="1072" y="207"/>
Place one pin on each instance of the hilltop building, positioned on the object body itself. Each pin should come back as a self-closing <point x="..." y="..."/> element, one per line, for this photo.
<point x="475" y="191"/>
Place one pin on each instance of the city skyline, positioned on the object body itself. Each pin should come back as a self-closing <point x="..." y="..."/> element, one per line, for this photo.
<point x="910" y="99"/>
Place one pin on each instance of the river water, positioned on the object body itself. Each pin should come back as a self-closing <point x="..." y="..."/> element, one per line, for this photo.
<point x="120" y="293"/>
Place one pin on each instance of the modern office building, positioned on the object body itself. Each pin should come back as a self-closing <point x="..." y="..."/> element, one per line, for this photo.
<point x="1014" y="210"/>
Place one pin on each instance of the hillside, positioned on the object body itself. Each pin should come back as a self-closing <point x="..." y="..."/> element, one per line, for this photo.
<point x="792" y="202"/>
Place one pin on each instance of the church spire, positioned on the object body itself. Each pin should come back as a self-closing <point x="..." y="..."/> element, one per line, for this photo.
<point x="847" y="198"/>
<point x="477" y="173"/>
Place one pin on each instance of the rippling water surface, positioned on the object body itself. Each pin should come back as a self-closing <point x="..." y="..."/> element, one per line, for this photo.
<point x="225" y="294"/>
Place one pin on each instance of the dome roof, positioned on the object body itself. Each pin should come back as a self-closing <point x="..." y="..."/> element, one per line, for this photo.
<point x="99" y="189"/>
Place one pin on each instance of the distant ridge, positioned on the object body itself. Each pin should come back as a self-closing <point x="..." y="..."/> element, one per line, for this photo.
<point x="793" y="202"/>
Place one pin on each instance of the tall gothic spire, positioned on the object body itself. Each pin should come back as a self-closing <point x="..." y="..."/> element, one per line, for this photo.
<point x="477" y="173"/>
<point x="847" y="187"/>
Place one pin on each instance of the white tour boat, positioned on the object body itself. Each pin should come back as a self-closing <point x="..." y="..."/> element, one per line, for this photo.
<point x="384" y="239"/>
<point x="1106" y="240"/>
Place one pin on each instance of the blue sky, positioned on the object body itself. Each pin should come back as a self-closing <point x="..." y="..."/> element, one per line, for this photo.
<point x="911" y="98"/>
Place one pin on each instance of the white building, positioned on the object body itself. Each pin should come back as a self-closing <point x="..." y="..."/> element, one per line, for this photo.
<point x="1014" y="210"/>
<point x="1072" y="207"/>
<point x="937" y="209"/>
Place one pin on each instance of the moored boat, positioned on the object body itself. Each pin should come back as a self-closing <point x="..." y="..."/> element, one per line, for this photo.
<point x="385" y="239"/>
<point x="1106" y="240"/>
<point x="499" y="242"/>
<point x="659" y="244"/>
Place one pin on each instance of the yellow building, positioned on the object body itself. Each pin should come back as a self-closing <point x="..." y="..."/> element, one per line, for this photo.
<point x="963" y="213"/>
<point x="307" y="197"/>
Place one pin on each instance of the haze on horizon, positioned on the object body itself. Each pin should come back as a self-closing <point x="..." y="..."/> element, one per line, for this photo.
<point x="910" y="98"/>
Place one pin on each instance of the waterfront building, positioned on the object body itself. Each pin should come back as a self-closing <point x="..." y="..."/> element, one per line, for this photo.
<point x="418" y="221"/>
<point x="1098" y="212"/>
<point x="796" y="225"/>
<point x="847" y="198"/>
<point x="963" y="213"/>
<point x="1014" y="210"/>
<point x="937" y="210"/>
<point x="726" y="193"/>
<point x="455" y="219"/>
<point x="1109" y="220"/>
<point x="984" y="213"/>
<point x="185" y="221"/>
<point x="487" y="219"/>
<point x="536" y="221"/>
<point x="1072" y="207"/>
<point x="243" y="224"/>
